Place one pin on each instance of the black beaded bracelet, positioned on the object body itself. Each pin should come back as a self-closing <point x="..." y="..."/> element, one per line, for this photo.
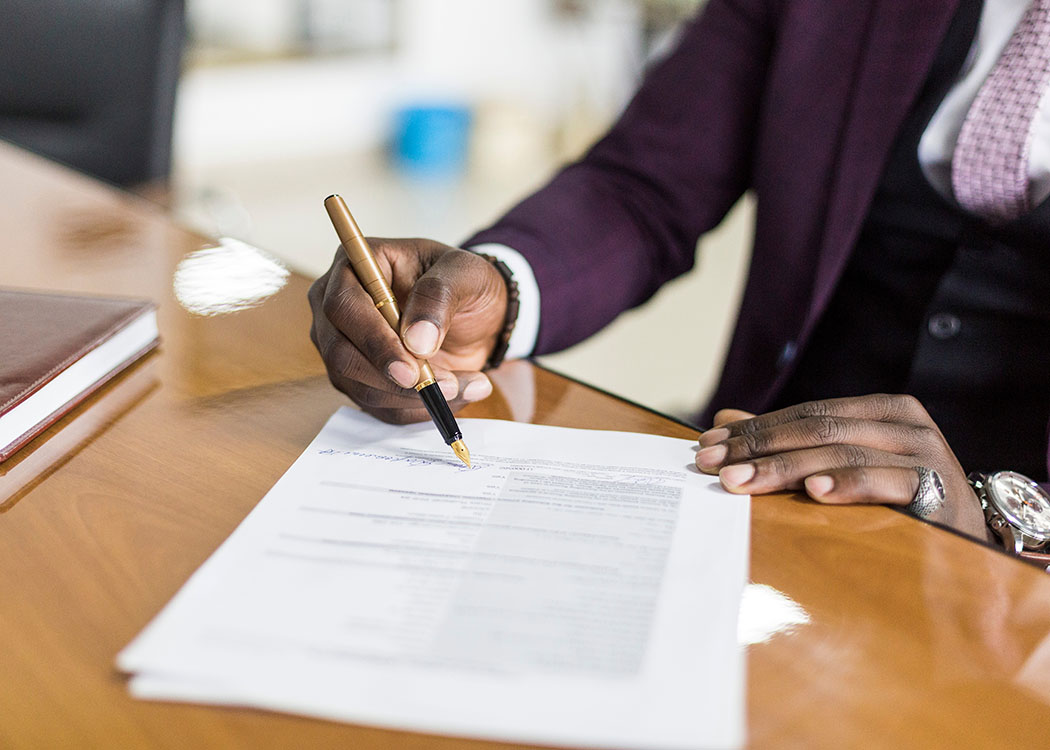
<point x="510" y="319"/>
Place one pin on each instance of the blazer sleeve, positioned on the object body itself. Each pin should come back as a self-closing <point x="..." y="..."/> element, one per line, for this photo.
<point x="611" y="228"/>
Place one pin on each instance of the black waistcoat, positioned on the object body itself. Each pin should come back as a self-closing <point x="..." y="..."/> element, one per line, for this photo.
<point x="939" y="304"/>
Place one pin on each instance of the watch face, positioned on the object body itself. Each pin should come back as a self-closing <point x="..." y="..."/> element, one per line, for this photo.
<point x="1022" y="502"/>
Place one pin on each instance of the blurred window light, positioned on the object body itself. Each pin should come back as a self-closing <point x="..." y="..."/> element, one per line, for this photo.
<point x="234" y="29"/>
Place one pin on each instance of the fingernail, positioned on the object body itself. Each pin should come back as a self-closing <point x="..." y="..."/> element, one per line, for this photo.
<point x="402" y="373"/>
<point x="736" y="475"/>
<point x="819" y="485"/>
<point x="711" y="457"/>
<point x="421" y="338"/>
<point x="717" y="435"/>
<point x="477" y="389"/>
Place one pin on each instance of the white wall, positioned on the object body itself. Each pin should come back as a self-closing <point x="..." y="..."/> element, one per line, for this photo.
<point x="475" y="52"/>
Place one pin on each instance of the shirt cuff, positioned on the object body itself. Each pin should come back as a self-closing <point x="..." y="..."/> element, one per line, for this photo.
<point x="527" y="328"/>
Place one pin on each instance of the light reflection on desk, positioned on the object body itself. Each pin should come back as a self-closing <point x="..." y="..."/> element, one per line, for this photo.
<point x="765" y="612"/>
<point x="49" y="451"/>
<point x="227" y="278"/>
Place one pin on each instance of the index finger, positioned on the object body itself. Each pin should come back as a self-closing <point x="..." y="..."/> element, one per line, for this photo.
<point x="352" y="312"/>
<point x="879" y="407"/>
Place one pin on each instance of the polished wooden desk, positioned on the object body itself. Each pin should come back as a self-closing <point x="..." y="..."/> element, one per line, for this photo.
<point x="916" y="637"/>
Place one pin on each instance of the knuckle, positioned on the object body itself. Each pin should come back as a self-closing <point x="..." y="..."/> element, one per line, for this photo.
<point x="902" y="406"/>
<point x="459" y="259"/>
<point x="780" y="464"/>
<point x="378" y="348"/>
<point x="827" y="429"/>
<point x="343" y="360"/>
<point x="882" y="400"/>
<point x="338" y="383"/>
<point x="812" y="409"/>
<point x="910" y="404"/>
<point x="750" y="443"/>
<point x="435" y="290"/>
<point x="921" y="438"/>
<point x="337" y="358"/>
<point x="854" y="456"/>
<point x="337" y="305"/>
<point x="325" y="346"/>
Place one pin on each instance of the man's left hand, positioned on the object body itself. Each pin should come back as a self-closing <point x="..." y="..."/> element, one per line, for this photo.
<point x="846" y="450"/>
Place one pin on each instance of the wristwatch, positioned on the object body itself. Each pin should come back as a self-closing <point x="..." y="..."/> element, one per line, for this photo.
<point x="1017" y="511"/>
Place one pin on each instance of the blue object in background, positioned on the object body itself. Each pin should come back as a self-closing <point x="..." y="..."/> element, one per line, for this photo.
<point x="432" y="140"/>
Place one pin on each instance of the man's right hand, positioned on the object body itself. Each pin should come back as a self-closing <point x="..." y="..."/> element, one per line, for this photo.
<point x="453" y="305"/>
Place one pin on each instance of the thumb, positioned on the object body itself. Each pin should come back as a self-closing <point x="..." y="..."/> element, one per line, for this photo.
<point x="458" y="286"/>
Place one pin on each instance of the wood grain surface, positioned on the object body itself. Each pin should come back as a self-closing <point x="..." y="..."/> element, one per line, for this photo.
<point x="913" y="637"/>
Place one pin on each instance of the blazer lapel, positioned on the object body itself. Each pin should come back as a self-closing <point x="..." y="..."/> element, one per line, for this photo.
<point x="902" y="43"/>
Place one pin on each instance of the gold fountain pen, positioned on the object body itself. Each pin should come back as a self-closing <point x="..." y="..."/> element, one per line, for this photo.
<point x="367" y="271"/>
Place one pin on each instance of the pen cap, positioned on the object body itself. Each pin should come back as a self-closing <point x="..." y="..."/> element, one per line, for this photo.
<point x="362" y="261"/>
<point x="371" y="277"/>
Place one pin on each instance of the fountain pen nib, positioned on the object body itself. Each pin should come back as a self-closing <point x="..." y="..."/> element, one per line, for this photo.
<point x="461" y="450"/>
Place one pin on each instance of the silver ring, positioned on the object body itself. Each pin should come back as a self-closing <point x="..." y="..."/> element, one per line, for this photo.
<point x="930" y="496"/>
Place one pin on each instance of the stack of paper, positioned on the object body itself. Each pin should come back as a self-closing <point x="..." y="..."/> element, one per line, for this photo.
<point x="575" y="587"/>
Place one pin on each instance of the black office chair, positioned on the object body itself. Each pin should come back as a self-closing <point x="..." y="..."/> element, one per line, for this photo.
<point x="91" y="83"/>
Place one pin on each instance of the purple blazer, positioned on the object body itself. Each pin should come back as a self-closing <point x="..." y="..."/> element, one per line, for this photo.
<point x="798" y="101"/>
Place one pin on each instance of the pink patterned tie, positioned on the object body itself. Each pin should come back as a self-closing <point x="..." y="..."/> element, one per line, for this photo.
<point x="990" y="163"/>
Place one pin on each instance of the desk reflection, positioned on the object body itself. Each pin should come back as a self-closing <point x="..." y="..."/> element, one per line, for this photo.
<point x="67" y="437"/>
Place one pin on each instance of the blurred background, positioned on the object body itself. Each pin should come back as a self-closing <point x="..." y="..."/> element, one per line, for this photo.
<point x="431" y="117"/>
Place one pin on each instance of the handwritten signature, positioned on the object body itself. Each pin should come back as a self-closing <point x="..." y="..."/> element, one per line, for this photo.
<point x="407" y="460"/>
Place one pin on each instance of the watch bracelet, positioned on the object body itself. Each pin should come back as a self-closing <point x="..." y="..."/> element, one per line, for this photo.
<point x="510" y="319"/>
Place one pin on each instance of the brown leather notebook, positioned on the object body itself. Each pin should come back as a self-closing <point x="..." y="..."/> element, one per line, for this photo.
<point x="56" y="349"/>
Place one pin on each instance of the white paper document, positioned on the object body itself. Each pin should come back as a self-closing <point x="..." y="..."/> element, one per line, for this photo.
<point x="575" y="587"/>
